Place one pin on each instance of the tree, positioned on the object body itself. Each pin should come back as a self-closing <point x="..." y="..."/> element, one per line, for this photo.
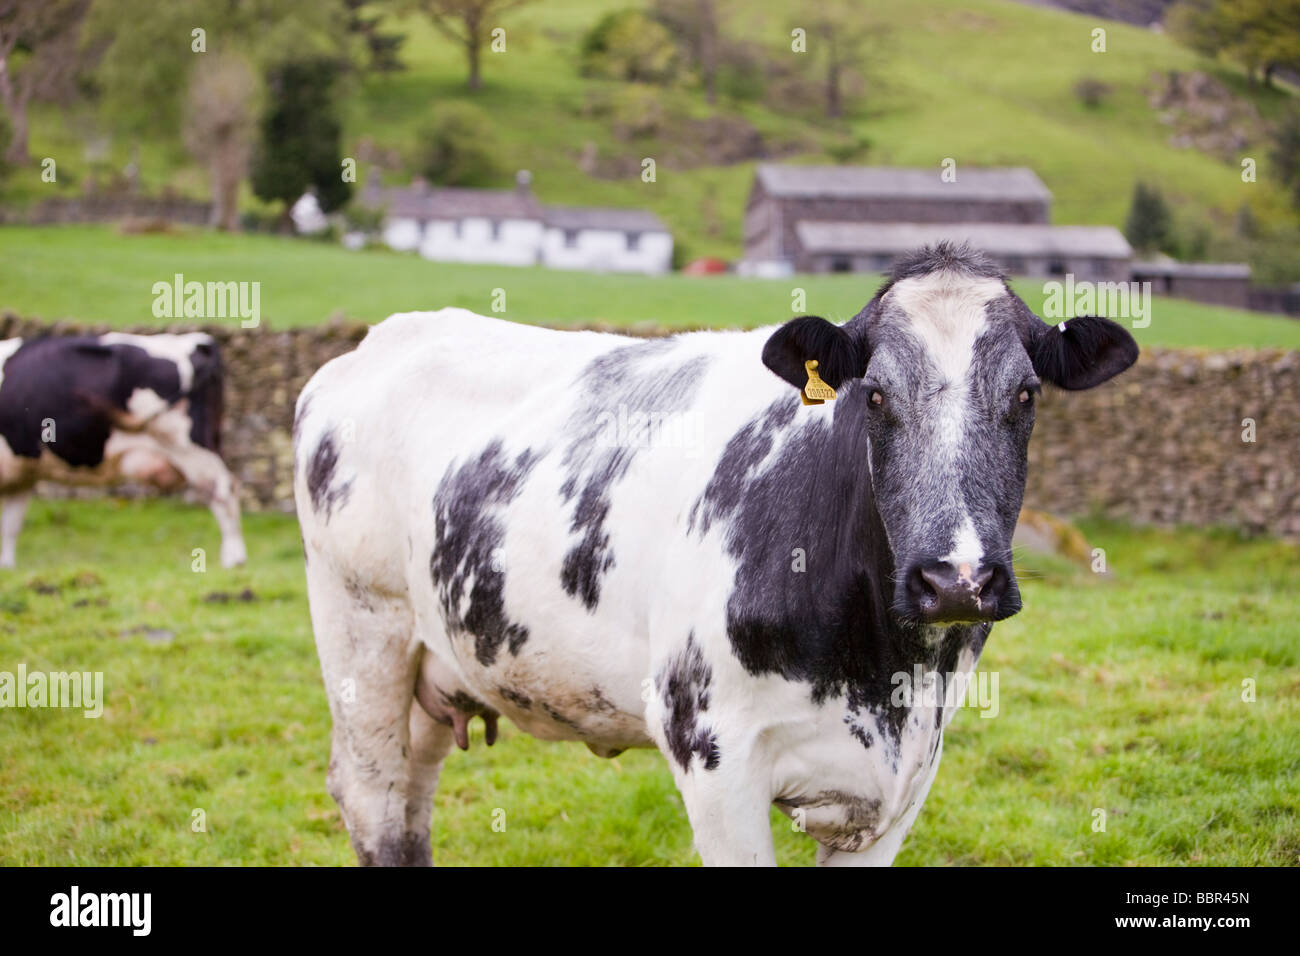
<point x="840" y="45"/>
<point x="152" y="49"/>
<point x="1261" y="35"/>
<point x="628" y="45"/>
<point x="39" y="50"/>
<point x="457" y="148"/>
<point x="219" y="129"/>
<point x="1148" y="227"/>
<point x="695" y="24"/>
<point x="468" y="24"/>
<point x="299" y="143"/>
<point x="1286" y="153"/>
<point x="382" y="47"/>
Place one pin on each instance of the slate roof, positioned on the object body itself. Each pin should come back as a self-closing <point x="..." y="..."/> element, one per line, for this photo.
<point x="1007" y="239"/>
<point x="868" y="182"/>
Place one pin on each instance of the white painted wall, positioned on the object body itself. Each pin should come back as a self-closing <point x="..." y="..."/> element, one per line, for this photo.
<point x="402" y="234"/>
<point x="525" y="242"/>
<point x="515" y="244"/>
<point x="606" y="250"/>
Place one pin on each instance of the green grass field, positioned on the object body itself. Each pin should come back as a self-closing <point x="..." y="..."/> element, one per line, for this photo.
<point x="92" y="274"/>
<point x="984" y="82"/>
<point x="1120" y="693"/>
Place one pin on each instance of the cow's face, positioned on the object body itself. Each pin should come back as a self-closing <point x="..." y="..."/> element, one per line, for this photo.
<point x="945" y="367"/>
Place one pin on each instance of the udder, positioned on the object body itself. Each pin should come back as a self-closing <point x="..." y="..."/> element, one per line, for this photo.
<point x="446" y="701"/>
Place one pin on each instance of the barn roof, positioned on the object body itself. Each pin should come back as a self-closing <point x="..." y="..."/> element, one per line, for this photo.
<point x="862" y="182"/>
<point x="587" y="217"/>
<point x="997" y="239"/>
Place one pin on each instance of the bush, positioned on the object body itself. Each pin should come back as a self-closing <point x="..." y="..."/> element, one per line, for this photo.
<point x="1091" y="91"/>
<point x="636" y="113"/>
<point x="1149" y="226"/>
<point x="458" y="147"/>
<point x="628" y="45"/>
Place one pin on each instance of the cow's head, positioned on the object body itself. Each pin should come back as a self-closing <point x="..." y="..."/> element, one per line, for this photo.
<point x="945" y="365"/>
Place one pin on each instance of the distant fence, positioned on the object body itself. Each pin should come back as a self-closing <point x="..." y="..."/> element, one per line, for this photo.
<point x="59" y="210"/>
<point x="1162" y="444"/>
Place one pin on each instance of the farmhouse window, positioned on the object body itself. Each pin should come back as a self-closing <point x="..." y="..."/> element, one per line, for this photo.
<point x="633" y="241"/>
<point x="570" y="238"/>
<point x="841" y="264"/>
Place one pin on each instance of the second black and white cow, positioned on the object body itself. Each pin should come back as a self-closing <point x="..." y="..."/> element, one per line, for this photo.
<point x="495" y="524"/>
<point x="86" y="410"/>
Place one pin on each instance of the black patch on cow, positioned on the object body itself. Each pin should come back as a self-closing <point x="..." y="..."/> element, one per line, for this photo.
<point x="325" y="493"/>
<point x="82" y="386"/>
<point x="558" y="717"/>
<point x="467" y="705"/>
<point x="207" y="396"/>
<point x="684" y="683"/>
<point x="467" y="530"/>
<point x="520" y="700"/>
<point x="632" y="383"/>
<point x="300" y="416"/>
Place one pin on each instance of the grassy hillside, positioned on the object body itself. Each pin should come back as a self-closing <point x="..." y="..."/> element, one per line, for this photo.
<point x="981" y="81"/>
<point x="1121" y="694"/>
<point x="92" y="274"/>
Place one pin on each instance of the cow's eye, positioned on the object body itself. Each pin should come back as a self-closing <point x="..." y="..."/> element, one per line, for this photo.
<point x="1024" y="396"/>
<point x="877" y="398"/>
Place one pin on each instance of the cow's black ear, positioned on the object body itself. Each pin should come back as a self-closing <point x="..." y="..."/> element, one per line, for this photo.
<point x="1082" y="352"/>
<point x="840" y="356"/>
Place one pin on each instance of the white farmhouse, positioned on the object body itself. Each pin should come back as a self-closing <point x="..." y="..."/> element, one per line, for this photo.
<point x="510" y="227"/>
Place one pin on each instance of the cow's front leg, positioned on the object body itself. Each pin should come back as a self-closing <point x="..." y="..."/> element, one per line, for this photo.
<point x="724" y="783"/>
<point x="729" y="812"/>
<point x="11" y="522"/>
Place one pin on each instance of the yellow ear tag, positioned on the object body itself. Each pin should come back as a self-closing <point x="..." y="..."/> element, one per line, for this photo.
<point x="816" y="392"/>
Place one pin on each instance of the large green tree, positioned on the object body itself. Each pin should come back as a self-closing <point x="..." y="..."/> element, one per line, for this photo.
<point x="300" y="137"/>
<point x="1260" y="35"/>
<point x="39" y="51"/>
<point x="468" y="24"/>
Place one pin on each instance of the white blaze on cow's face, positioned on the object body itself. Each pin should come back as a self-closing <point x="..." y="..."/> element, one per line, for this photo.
<point x="949" y="437"/>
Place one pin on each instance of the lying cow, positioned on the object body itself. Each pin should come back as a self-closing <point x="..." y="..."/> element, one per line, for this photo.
<point x="479" y="540"/>
<point x="97" y="410"/>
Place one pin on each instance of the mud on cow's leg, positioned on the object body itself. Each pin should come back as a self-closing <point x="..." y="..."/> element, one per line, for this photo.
<point x="379" y="771"/>
<point x="11" y="522"/>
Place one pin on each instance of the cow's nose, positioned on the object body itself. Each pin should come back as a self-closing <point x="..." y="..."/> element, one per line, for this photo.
<point x="947" y="593"/>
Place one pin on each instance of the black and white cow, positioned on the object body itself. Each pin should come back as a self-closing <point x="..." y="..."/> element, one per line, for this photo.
<point x="482" y="539"/>
<point x="86" y="410"/>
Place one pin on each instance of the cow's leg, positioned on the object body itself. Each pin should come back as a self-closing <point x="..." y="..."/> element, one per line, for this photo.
<point x="11" y="522"/>
<point x="430" y="744"/>
<point x="729" y="814"/>
<point x="369" y="663"/>
<point x="206" y="473"/>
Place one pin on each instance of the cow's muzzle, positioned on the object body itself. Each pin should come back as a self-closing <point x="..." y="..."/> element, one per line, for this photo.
<point x="938" y="592"/>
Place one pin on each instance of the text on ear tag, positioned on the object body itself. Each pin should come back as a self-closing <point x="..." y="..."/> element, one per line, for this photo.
<point x="815" y="392"/>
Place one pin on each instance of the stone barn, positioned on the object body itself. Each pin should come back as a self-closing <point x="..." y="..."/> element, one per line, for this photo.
<point x="784" y="196"/>
<point x="1095" y="253"/>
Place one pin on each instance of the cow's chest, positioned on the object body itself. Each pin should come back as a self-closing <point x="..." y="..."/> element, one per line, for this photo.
<point x="849" y="787"/>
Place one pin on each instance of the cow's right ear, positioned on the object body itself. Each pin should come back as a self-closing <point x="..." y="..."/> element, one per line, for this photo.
<point x="840" y="356"/>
